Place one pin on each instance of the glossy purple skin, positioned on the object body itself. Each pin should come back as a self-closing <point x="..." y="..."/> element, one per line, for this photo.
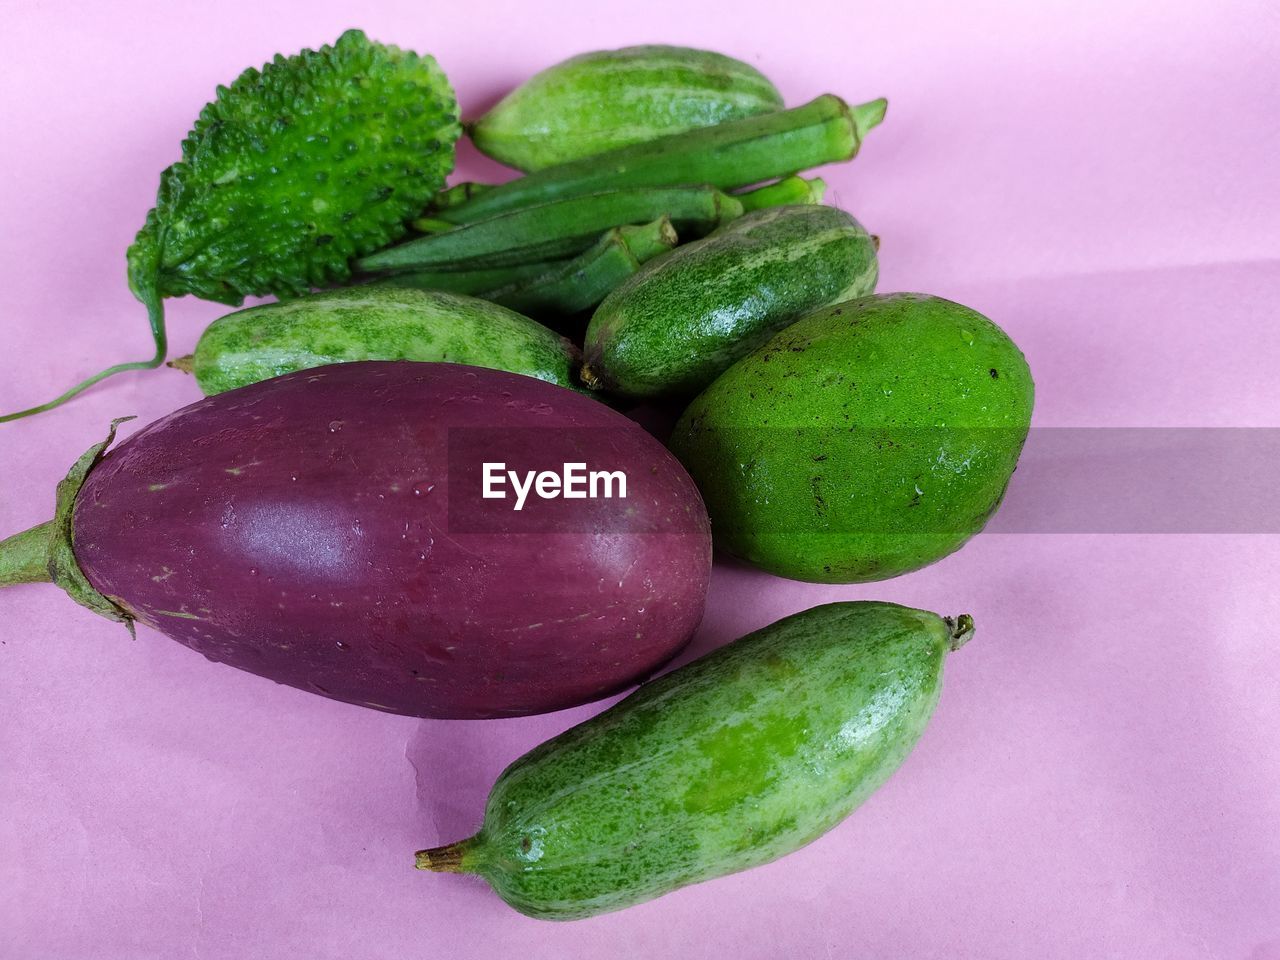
<point x="298" y="529"/>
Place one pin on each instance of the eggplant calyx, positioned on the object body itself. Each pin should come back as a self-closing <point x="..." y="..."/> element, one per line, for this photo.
<point x="64" y="570"/>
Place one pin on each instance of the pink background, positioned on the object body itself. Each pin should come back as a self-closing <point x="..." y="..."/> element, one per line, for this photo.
<point x="1102" y="778"/>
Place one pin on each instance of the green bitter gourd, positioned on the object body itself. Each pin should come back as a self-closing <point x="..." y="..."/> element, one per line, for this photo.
<point x="288" y="174"/>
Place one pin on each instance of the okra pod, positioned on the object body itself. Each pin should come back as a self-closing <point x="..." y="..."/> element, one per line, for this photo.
<point x="727" y="155"/>
<point x="549" y="231"/>
<point x="579" y="284"/>
<point x="475" y="283"/>
<point x="787" y="192"/>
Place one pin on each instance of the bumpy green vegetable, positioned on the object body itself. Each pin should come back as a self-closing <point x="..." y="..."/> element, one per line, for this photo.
<point x="732" y="761"/>
<point x="579" y="284"/>
<point x="677" y="324"/>
<point x="866" y="440"/>
<point x="556" y="229"/>
<point x="288" y="174"/>
<point x="612" y="98"/>
<point x="375" y="323"/>
<point x="728" y="155"/>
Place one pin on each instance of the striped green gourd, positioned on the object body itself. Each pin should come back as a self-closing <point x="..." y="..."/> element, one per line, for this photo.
<point x="732" y="761"/>
<point x="677" y="324"/>
<point x="375" y="323"/>
<point x="612" y="98"/>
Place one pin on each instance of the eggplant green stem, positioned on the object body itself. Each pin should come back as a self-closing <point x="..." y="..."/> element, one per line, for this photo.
<point x="24" y="557"/>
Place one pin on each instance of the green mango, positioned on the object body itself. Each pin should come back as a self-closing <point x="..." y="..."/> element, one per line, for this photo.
<point x="674" y="326"/>
<point x="732" y="761"/>
<point x="866" y="440"/>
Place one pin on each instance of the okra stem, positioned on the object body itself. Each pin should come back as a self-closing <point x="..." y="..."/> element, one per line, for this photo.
<point x="458" y="194"/>
<point x="788" y="191"/>
<point x="579" y="284"/>
<point x="556" y="229"/>
<point x="432" y="225"/>
<point x="647" y="240"/>
<point x="727" y="155"/>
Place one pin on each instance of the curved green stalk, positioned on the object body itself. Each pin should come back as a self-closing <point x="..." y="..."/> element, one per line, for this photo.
<point x="155" y="314"/>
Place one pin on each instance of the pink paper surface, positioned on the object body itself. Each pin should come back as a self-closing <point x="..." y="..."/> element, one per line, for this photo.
<point x="1102" y="778"/>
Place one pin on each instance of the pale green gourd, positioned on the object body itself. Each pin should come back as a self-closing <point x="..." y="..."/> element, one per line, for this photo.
<point x="612" y="98"/>
<point x="375" y="323"/>
<point x="729" y="762"/>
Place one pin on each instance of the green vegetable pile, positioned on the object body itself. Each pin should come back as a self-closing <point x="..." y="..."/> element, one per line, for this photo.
<point x="661" y="247"/>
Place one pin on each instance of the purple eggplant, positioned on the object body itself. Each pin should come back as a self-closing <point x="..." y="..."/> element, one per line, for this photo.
<point x="329" y="530"/>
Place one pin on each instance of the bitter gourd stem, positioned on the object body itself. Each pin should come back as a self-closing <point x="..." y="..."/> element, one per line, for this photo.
<point x="24" y="557"/>
<point x="155" y="314"/>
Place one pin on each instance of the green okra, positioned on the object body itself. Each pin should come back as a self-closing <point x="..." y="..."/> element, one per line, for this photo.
<point x="579" y="284"/>
<point x="787" y="192"/>
<point x="557" y="229"/>
<point x="475" y="283"/>
<point x="459" y="193"/>
<point x="727" y="155"/>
